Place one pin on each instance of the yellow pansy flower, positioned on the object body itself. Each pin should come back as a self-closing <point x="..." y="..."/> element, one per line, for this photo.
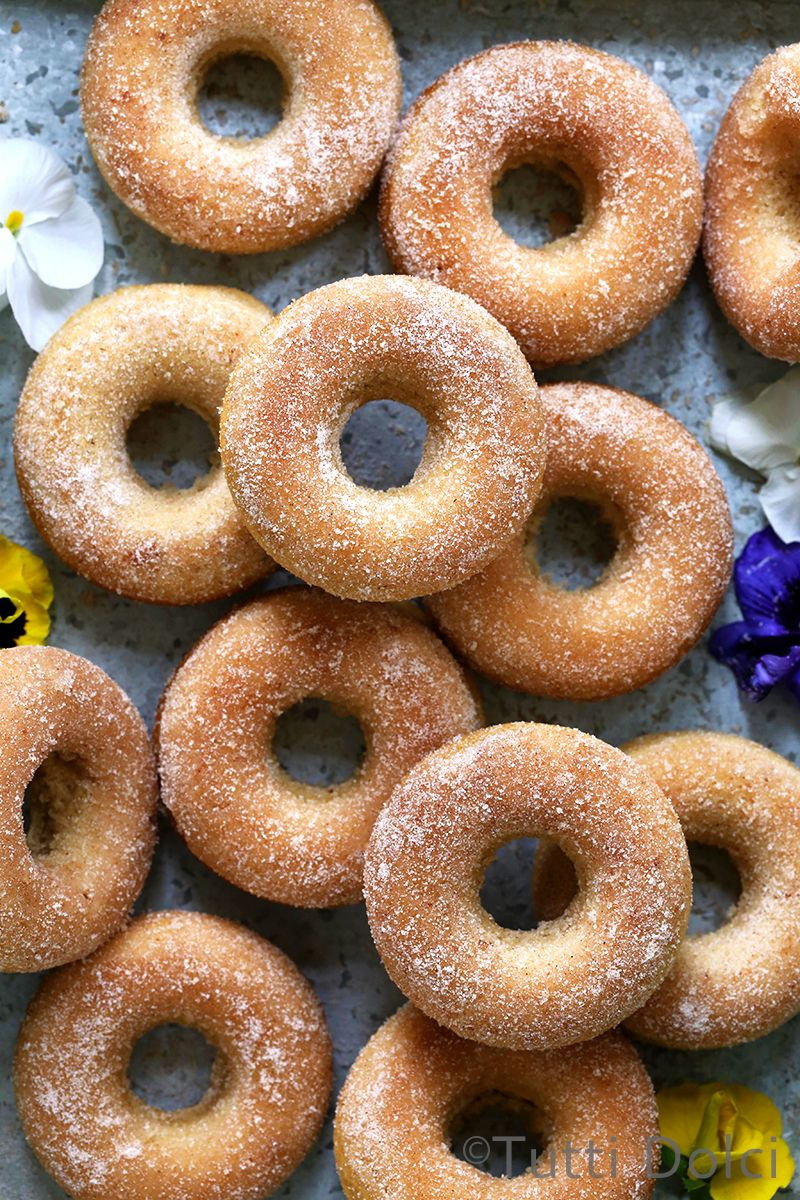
<point x="730" y="1136"/>
<point x="26" y="593"/>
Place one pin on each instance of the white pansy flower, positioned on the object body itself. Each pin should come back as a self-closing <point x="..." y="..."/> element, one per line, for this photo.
<point x="51" y="242"/>
<point x="765" y="435"/>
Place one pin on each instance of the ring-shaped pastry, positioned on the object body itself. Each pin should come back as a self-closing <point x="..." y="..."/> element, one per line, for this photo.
<point x="657" y="489"/>
<point x="238" y="810"/>
<point x="269" y="1087"/>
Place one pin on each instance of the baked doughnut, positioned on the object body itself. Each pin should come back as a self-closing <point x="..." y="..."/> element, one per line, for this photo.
<point x="365" y="339"/>
<point x="76" y="749"/>
<point x="397" y="1118"/>
<point x="118" y="356"/>
<point x="574" y="111"/>
<point x="567" y="981"/>
<point x="269" y="1087"/>
<point x="657" y="489"/>
<point x="238" y="810"/>
<point x="742" y="980"/>
<point x="145" y="65"/>
<point x="752" y="228"/>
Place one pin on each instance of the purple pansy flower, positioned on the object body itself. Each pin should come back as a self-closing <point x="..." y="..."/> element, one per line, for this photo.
<point x="764" y="649"/>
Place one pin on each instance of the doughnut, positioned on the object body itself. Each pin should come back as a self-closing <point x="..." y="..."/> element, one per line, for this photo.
<point x="751" y="242"/>
<point x="77" y="750"/>
<point x="145" y="64"/>
<point x="117" y="357"/>
<point x="742" y="980"/>
<point x="567" y="981"/>
<point x="398" y="1115"/>
<point x="237" y="809"/>
<point x="666" y="506"/>
<point x="331" y="352"/>
<point x="269" y="1087"/>
<point x="579" y="113"/>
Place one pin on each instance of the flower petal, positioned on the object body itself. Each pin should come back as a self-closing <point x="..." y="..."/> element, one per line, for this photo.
<point x="780" y="500"/>
<point x="759" y="663"/>
<point x="8" y="252"/>
<point x="65" y="251"/>
<point x="757" y="1108"/>
<point x="41" y="310"/>
<point x="680" y="1112"/>
<point x="767" y="579"/>
<point x="776" y="1175"/>
<point x="766" y="433"/>
<point x="33" y="181"/>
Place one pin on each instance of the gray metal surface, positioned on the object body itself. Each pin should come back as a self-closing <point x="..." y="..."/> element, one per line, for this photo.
<point x="699" y="52"/>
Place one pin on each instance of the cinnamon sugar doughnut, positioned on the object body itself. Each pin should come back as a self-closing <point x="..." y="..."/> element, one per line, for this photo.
<point x="238" y="810"/>
<point x="752" y="227"/>
<point x="118" y="356"/>
<point x="656" y="487"/>
<point x="567" y="981"/>
<point x="574" y="111"/>
<point x="145" y="65"/>
<point x="269" y="1088"/>
<point x="394" y="1135"/>
<point x="365" y="339"/>
<point x="742" y="980"/>
<point x="77" y="750"/>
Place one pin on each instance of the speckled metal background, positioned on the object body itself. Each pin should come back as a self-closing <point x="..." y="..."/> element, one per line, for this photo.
<point x="699" y="52"/>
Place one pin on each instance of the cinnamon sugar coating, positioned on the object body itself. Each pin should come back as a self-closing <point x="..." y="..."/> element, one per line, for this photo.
<point x="740" y="981"/>
<point x="145" y="64"/>
<point x="122" y="353"/>
<point x="371" y="338"/>
<point x="238" y="810"/>
<point x="395" y="1120"/>
<point x="657" y="488"/>
<point x="576" y="111"/>
<point x="752" y="222"/>
<point x="570" y="979"/>
<point x="270" y="1084"/>
<point x="72" y="738"/>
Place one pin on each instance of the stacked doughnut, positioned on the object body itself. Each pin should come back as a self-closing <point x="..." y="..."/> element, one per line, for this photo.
<point x="532" y="1014"/>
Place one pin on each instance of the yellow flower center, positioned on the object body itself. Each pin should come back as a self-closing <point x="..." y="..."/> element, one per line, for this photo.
<point x="14" y="220"/>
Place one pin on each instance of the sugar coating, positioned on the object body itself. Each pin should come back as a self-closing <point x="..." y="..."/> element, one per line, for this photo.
<point x="269" y="1090"/>
<point x="658" y="490"/>
<point x="557" y="105"/>
<point x="741" y="981"/>
<point x="395" y="1119"/>
<point x="116" y="357"/>
<point x="74" y="891"/>
<point x="364" y="339"/>
<point x="752" y="226"/>
<point x="570" y="979"/>
<point x="145" y="63"/>
<point x="232" y="802"/>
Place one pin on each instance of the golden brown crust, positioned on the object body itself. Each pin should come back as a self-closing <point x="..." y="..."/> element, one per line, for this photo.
<point x="752" y="222"/>
<point x="145" y="63"/>
<point x="269" y="1089"/>
<point x="565" y="982"/>
<point x="363" y="339"/>
<point x="667" y="506"/>
<point x="238" y="810"/>
<point x="69" y="886"/>
<point x="413" y="1079"/>
<point x="119" y="355"/>
<point x="554" y="104"/>
<point x="742" y="980"/>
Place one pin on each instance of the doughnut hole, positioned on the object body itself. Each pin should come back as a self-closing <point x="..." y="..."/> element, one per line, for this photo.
<point x="54" y="806"/>
<point x="572" y="540"/>
<point x="506" y="893"/>
<point x="500" y="1134"/>
<point x="382" y="444"/>
<point x="172" y="447"/>
<point x="716" y="887"/>
<point x="318" y="745"/>
<point x="240" y="95"/>
<point x="537" y="203"/>
<point x="174" y="1068"/>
